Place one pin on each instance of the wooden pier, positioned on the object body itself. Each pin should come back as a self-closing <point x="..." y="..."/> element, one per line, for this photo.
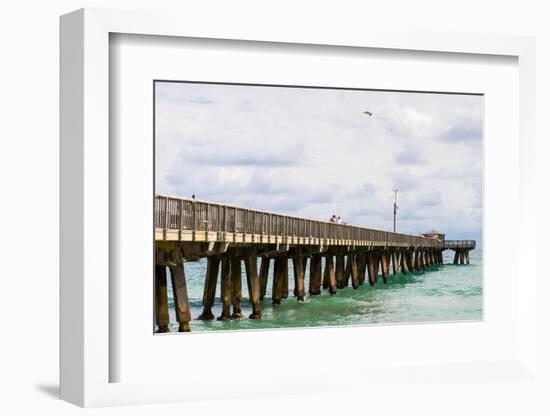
<point x="228" y="236"/>
<point x="461" y="248"/>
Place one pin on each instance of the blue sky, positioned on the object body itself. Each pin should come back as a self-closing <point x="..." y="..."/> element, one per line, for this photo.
<point x="314" y="153"/>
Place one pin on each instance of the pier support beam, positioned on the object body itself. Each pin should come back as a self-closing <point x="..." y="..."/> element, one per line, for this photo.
<point x="455" y="260"/>
<point x="410" y="260"/>
<point x="226" y="290"/>
<point x="354" y="259"/>
<point x="264" y="272"/>
<point x="210" y="283"/>
<point x="404" y="265"/>
<point x="284" y="266"/>
<point x="385" y="266"/>
<point x="236" y="286"/>
<point x="325" y="275"/>
<point x="394" y="262"/>
<point x="315" y="276"/>
<point x="347" y="271"/>
<point x="467" y="256"/>
<point x="372" y="267"/>
<point x="277" y="290"/>
<point x="161" y="299"/>
<point x="253" y="280"/>
<point x="299" y="289"/>
<point x="340" y="268"/>
<point x="461" y="256"/>
<point x="331" y="275"/>
<point x="181" y="300"/>
<point x="362" y="266"/>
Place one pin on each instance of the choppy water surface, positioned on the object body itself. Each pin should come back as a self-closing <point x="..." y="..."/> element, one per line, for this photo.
<point x="442" y="293"/>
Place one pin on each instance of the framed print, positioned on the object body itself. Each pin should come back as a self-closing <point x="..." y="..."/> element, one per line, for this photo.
<point x="259" y="204"/>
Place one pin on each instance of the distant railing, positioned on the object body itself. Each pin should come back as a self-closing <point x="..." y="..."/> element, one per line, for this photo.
<point x="189" y="214"/>
<point x="469" y="244"/>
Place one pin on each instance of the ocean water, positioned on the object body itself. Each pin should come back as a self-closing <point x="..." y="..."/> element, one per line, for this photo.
<point x="441" y="293"/>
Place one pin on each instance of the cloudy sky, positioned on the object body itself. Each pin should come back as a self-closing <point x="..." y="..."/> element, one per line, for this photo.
<point x="314" y="153"/>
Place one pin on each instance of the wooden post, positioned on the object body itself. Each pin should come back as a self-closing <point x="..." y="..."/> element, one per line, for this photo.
<point x="416" y="260"/>
<point x="455" y="260"/>
<point x="347" y="270"/>
<point x="277" y="290"/>
<point x="210" y="283"/>
<point x="410" y="259"/>
<point x="315" y="276"/>
<point x="264" y="272"/>
<point x="299" y="290"/>
<point x="329" y="267"/>
<point x="326" y="275"/>
<point x="461" y="257"/>
<point x="226" y="290"/>
<point x="236" y="284"/>
<point x="284" y="266"/>
<point x="404" y="265"/>
<point x="161" y="299"/>
<point x="340" y="271"/>
<point x="181" y="300"/>
<point x="385" y="266"/>
<point x="467" y="256"/>
<point x="253" y="280"/>
<point x="362" y="265"/>
<point x="377" y="262"/>
<point x="354" y="259"/>
<point x="372" y="269"/>
<point x="394" y="262"/>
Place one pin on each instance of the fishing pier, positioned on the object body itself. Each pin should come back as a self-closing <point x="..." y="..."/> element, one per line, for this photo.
<point x="230" y="237"/>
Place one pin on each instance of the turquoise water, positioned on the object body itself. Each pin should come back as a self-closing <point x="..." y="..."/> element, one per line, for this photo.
<point x="442" y="293"/>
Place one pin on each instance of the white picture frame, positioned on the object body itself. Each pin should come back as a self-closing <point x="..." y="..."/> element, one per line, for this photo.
<point x="85" y="210"/>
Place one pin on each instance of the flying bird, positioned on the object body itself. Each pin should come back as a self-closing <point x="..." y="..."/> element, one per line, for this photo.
<point x="368" y="113"/>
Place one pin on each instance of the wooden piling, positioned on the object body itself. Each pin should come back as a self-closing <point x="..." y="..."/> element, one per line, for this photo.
<point x="315" y="276"/>
<point x="404" y="265"/>
<point x="253" y="280"/>
<point x="329" y="268"/>
<point x="347" y="270"/>
<point x="467" y="256"/>
<point x="161" y="299"/>
<point x="210" y="283"/>
<point x="299" y="290"/>
<point x="326" y="275"/>
<point x="236" y="286"/>
<point x="461" y="257"/>
<point x="385" y="266"/>
<point x="354" y="259"/>
<point x="284" y="266"/>
<point x="226" y="291"/>
<point x="362" y="265"/>
<point x="181" y="300"/>
<point x="277" y="290"/>
<point x="455" y="260"/>
<point x="340" y="259"/>
<point x="410" y="260"/>
<point x="372" y="269"/>
<point x="264" y="273"/>
<point x="394" y="262"/>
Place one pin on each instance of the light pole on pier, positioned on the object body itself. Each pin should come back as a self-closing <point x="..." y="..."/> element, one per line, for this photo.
<point x="395" y="207"/>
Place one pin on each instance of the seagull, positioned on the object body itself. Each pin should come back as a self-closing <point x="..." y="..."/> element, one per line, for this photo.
<point x="368" y="113"/>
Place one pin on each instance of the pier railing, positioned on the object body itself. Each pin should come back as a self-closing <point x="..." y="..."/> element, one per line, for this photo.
<point x="456" y="244"/>
<point x="188" y="215"/>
